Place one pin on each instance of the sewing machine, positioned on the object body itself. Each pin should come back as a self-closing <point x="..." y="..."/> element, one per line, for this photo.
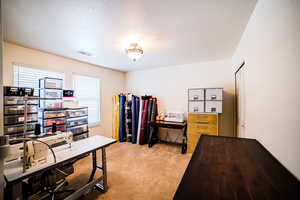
<point x="36" y="152"/>
<point x="174" y="117"/>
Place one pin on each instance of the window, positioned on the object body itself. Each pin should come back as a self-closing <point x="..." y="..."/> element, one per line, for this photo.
<point x="29" y="77"/>
<point x="87" y="92"/>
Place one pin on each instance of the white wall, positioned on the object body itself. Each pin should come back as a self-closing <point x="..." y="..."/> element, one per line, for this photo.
<point x="271" y="48"/>
<point x="111" y="81"/>
<point x="170" y="85"/>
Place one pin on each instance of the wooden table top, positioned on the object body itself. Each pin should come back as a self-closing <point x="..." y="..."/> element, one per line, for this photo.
<point x="235" y="169"/>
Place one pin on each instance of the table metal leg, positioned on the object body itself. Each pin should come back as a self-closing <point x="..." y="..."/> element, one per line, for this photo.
<point x="104" y="169"/>
<point x="94" y="157"/>
<point x="102" y="187"/>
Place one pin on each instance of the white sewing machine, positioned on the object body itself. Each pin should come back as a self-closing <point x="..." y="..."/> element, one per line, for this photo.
<point x="36" y="152"/>
<point x="174" y="117"/>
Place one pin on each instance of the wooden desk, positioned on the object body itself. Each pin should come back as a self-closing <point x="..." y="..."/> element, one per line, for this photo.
<point x="172" y="125"/>
<point x="235" y="169"/>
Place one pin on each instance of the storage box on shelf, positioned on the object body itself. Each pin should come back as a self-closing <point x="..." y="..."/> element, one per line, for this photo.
<point x="14" y="111"/>
<point x="76" y="112"/>
<point x="51" y="110"/>
<point x="77" y="122"/>
<point x="48" y="117"/>
<point x="18" y="129"/>
<point x="51" y="83"/>
<point x="205" y="100"/>
<point x="51" y="88"/>
<point x="196" y="100"/>
<point x="214" y="100"/>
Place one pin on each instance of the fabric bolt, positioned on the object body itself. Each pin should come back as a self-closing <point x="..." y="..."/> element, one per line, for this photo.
<point x="128" y="117"/>
<point x="117" y="117"/>
<point x="149" y="112"/>
<point x="139" y="121"/>
<point x="153" y="130"/>
<point x="122" y="118"/>
<point x="137" y="106"/>
<point x="113" y="116"/>
<point x="133" y="120"/>
<point x="144" y="122"/>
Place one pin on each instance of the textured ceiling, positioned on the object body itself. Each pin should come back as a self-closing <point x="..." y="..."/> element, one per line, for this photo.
<point x="172" y="32"/>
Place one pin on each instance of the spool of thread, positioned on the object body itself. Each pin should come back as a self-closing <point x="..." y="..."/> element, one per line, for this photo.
<point x="37" y="129"/>
<point x="54" y="128"/>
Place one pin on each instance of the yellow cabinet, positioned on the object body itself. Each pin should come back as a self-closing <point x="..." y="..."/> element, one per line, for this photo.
<point x="203" y="118"/>
<point x="200" y="128"/>
<point x="198" y="124"/>
<point x="192" y="142"/>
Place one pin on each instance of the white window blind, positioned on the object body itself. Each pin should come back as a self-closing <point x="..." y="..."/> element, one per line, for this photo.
<point x="29" y="77"/>
<point x="87" y="92"/>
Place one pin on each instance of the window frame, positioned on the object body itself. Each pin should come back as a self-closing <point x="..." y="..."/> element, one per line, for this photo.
<point x="98" y="123"/>
<point x="14" y="64"/>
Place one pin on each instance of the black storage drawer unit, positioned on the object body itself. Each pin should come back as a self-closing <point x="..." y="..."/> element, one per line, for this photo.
<point x="17" y="91"/>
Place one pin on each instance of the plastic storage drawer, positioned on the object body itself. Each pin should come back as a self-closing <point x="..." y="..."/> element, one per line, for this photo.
<point x="17" y="91"/>
<point x="51" y="104"/>
<point x="14" y="129"/>
<point x="214" y="94"/>
<point x="49" y="122"/>
<point x="80" y="137"/>
<point x="52" y="114"/>
<point x="15" y="119"/>
<point x="196" y="106"/>
<point x="61" y="128"/>
<point x="19" y="109"/>
<point x="78" y="129"/>
<point x="12" y="100"/>
<point x="51" y="83"/>
<point x="77" y="112"/>
<point x="213" y="106"/>
<point x="51" y="93"/>
<point x="77" y="121"/>
<point x="196" y="94"/>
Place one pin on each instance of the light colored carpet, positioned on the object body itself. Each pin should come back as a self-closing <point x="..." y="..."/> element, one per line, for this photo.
<point x="136" y="172"/>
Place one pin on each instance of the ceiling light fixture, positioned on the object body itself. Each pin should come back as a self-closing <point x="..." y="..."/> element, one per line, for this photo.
<point x="134" y="51"/>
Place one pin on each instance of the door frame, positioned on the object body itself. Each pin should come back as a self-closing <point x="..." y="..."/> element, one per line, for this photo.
<point x="235" y="117"/>
<point x="1" y="99"/>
